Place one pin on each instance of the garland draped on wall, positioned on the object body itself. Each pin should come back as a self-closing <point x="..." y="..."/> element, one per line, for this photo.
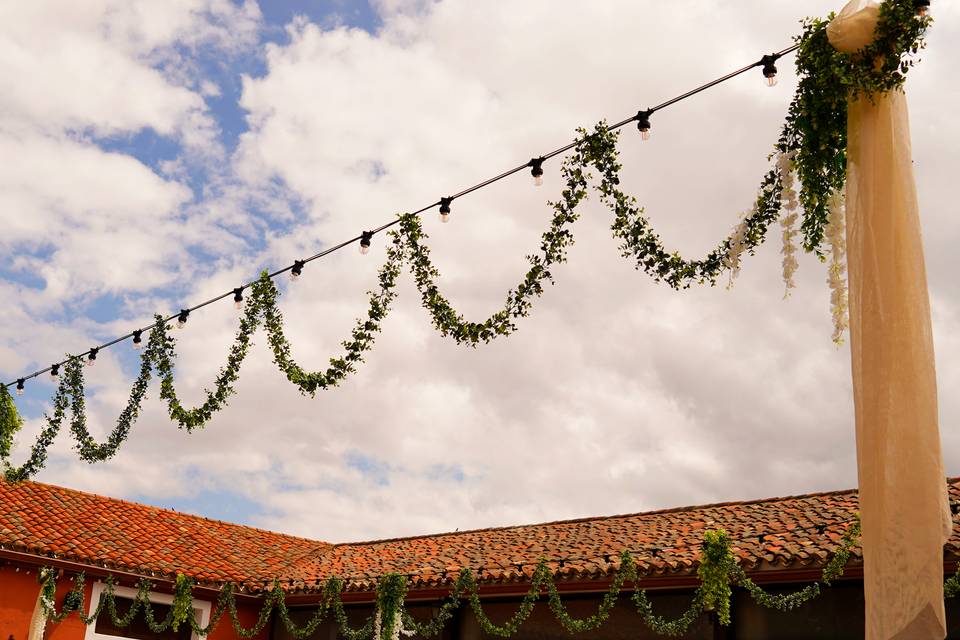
<point x="718" y="571"/>
<point x="812" y="144"/>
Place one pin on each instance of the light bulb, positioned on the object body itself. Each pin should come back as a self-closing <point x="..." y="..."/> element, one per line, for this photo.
<point x="238" y="298"/>
<point x="643" y="123"/>
<point x="365" y="238"/>
<point x="536" y="170"/>
<point x="20" y="387"/>
<point x="445" y="209"/>
<point x="91" y="362"/>
<point x="769" y="69"/>
<point x="20" y="391"/>
<point x="137" y="339"/>
<point x="364" y="249"/>
<point x="923" y="12"/>
<point x="296" y="270"/>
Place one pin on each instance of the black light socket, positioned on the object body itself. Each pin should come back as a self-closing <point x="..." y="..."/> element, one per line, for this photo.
<point x="643" y="122"/>
<point x="536" y="167"/>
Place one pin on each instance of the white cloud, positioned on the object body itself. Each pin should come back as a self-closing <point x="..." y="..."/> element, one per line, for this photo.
<point x="617" y="394"/>
<point x="96" y="221"/>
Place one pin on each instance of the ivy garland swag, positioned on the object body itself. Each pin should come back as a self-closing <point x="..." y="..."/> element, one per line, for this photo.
<point x="718" y="571"/>
<point x="812" y="144"/>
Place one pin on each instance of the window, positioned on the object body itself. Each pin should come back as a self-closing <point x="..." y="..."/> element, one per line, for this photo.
<point x="104" y="629"/>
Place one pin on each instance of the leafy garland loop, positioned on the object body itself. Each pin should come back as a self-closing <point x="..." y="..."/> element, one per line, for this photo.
<point x="814" y="135"/>
<point x="718" y="570"/>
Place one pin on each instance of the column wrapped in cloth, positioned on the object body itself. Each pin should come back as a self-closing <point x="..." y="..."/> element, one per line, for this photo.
<point x="903" y="500"/>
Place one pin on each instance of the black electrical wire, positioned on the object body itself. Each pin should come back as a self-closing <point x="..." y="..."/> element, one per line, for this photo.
<point x="383" y="227"/>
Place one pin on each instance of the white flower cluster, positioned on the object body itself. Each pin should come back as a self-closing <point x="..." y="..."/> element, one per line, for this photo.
<point x="837" y="274"/>
<point x="738" y="242"/>
<point x="398" y="629"/>
<point x="790" y="204"/>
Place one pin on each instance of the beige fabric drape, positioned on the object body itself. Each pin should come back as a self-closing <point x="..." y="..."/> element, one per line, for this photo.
<point x="903" y="499"/>
<point x="38" y="621"/>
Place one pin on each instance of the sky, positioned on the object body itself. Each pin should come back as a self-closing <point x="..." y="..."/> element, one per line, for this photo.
<point x="157" y="154"/>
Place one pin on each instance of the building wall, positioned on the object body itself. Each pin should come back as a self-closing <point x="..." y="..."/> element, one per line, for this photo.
<point x="19" y="590"/>
<point x="18" y="598"/>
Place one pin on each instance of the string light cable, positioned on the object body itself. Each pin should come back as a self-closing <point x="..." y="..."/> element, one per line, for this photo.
<point x="642" y="118"/>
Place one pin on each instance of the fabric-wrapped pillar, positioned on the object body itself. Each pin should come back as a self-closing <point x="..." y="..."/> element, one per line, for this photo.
<point x="903" y="500"/>
<point x="38" y="621"/>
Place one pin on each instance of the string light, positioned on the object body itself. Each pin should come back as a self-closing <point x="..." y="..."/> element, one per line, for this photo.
<point x="55" y="370"/>
<point x="643" y="123"/>
<point x="20" y="386"/>
<point x="365" y="238"/>
<point x="238" y="297"/>
<point x="923" y="7"/>
<point x="296" y="270"/>
<point x="536" y="170"/>
<point x="92" y="356"/>
<point x="770" y="69"/>
<point x="445" y="209"/>
<point x="182" y="318"/>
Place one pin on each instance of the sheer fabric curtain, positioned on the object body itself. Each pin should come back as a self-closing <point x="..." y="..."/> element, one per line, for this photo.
<point x="903" y="499"/>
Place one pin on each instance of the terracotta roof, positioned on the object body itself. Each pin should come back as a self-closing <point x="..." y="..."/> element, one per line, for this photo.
<point x="775" y="533"/>
<point x="72" y="525"/>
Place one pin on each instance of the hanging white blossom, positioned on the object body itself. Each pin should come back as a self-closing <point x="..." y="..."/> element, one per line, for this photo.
<point x="837" y="274"/>
<point x="398" y="629"/>
<point x="790" y="204"/>
<point x="398" y="626"/>
<point x="737" y="246"/>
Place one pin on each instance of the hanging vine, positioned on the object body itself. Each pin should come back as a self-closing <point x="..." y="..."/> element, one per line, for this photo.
<point x="717" y="570"/>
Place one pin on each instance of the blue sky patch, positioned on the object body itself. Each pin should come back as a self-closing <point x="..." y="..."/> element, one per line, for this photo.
<point x="215" y="504"/>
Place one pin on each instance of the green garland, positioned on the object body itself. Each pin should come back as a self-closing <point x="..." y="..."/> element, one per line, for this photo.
<point x="717" y="570"/>
<point x="362" y="337"/>
<point x="816" y="124"/>
<point x="553" y="250"/>
<point x="10" y="422"/>
<point x="640" y="242"/>
<point x="716" y="562"/>
<point x="790" y="601"/>
<point x="814" y="133"/>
